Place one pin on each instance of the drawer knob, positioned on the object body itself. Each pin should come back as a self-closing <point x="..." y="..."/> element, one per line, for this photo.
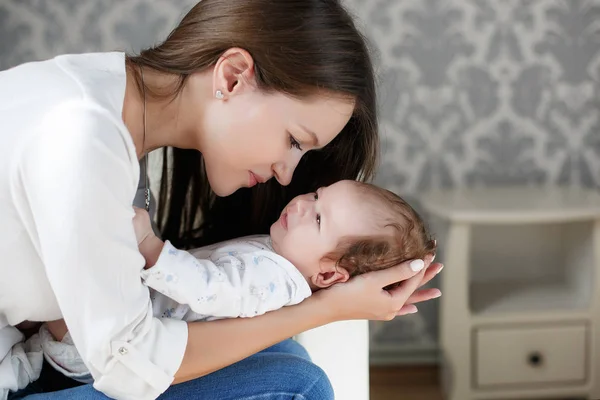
<point x="535" y="359"/>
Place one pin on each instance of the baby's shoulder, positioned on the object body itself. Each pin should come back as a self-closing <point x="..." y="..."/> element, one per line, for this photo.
<point x="234" y="247"/>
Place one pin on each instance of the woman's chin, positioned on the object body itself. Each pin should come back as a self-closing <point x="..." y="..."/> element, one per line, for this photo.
<point x="222" y="187"/>
<point x="224" y="192"/>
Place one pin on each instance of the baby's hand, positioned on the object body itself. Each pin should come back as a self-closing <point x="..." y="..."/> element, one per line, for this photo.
<point x="142" y="225"/>
<point x="58" y="329"/>
<point x="150" y="246"/>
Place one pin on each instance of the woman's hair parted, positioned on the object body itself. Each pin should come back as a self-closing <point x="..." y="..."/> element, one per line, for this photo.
<point x="299" y="47"/>
<point x="406" y="239"/>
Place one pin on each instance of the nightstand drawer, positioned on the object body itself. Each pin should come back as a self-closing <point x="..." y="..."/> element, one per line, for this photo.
<point x="522" y="356"/>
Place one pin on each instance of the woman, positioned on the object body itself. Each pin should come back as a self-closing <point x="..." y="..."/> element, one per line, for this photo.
<point x="241" y="91"/>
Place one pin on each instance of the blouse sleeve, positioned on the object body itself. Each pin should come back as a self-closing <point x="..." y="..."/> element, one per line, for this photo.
<point x="78" y="181"/>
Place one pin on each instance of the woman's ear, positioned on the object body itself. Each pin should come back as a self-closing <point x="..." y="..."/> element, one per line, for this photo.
<point x="233" y="73"/>
<point x="330" y="274"/>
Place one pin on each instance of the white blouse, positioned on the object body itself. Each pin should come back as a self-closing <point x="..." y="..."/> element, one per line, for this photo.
<point x="68" y="176"/>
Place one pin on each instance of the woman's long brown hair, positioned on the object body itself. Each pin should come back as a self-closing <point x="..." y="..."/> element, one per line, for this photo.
<point x="298" y="47"/>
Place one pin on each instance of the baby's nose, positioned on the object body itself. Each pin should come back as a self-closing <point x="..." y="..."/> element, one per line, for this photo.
<point x="304" y="207"/>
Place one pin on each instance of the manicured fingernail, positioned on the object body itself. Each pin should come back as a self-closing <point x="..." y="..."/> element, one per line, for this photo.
<point x="413" y="311"/>
<point x="441" y="268"/>
<point x="417" y="265"/>
<point x="434" y="242"/>
<point x="433" y="258"/>
<point x="437" y="295"/>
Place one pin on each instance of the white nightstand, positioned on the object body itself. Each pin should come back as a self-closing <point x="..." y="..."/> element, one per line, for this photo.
<point x="520" y="311"/>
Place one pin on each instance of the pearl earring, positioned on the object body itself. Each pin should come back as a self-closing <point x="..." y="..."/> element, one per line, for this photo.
<point x="219" y="95"/>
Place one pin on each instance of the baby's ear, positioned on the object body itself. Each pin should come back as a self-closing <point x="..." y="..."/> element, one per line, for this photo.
<point x="330" y="274"/>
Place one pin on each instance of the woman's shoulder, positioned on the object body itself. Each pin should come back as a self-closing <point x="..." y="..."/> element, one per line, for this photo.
<point x="83" y="128"/>
<point x="80" y="141"/>
<point x="71" y="101"/>
<point x="51" y="119"/>
<point x="98" y="77"/>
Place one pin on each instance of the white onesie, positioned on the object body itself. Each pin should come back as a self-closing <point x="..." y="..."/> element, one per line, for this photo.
<point x="237" y="278"/>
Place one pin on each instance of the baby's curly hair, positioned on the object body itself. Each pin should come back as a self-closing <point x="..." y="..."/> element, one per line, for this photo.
<point x="408" y="238"/>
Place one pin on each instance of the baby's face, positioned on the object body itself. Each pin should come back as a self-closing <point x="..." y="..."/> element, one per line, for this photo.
<point x="312" y="224"/>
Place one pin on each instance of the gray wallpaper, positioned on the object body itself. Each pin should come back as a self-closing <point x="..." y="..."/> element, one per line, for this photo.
<point x="473" y="92"/>
<point x="488" y="92"/>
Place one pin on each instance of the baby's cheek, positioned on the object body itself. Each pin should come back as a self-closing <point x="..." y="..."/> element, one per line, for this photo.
<point x="294" y="253"/>
<point x="307" y="268"/>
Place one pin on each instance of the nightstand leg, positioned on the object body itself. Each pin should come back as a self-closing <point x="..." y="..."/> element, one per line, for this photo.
<point x="454" y="315"/>
<point x="594" y="333"/>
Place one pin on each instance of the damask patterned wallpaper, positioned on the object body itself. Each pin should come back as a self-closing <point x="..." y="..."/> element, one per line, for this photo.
<point x="488" y="92"/>
<point x="472" y="92"/>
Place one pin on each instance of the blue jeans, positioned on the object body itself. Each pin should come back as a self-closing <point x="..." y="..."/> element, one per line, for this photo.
<point x="283" y="371"/>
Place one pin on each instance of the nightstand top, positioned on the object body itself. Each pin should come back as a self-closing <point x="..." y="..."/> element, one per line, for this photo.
<point x="513" y="205"/>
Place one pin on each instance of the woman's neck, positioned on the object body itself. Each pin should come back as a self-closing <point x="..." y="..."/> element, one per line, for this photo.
<point x="165" y="126"/>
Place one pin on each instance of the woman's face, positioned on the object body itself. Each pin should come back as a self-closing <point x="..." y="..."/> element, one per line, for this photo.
<point x="259" y="136"/>
<point x="250" y="136"/>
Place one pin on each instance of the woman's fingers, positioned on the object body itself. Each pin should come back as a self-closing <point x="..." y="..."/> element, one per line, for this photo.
<point x="401" y="294"/>
<point x="431" y="272"/>
<point x="398" y="273"/>
<point x="407" y="309"/>
<point x="428" y="259"/>
<point x="423" y="295"/>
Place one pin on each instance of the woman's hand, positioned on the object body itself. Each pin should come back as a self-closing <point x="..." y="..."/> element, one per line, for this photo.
<point x="149" y="245"/>
<point x="363" y="297"/>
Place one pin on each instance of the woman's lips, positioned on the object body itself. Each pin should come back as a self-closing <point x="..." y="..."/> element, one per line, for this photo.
<point x="254" y="179"/>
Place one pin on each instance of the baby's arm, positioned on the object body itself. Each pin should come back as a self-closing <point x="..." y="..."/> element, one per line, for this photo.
<point x="229" y="286"/>
<point x="57" y="328"/>
<point x="242" y="285"/>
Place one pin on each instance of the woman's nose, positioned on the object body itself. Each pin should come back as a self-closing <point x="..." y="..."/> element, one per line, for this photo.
<point x="284" y="170"/>
<point x="283" y="175"/>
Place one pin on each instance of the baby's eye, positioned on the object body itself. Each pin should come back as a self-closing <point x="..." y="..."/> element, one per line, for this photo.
<point x="316" y="196"/>
<point x="319" y="219"/>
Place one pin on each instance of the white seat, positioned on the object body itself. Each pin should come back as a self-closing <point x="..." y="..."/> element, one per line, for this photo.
<point x="341" y="349"/>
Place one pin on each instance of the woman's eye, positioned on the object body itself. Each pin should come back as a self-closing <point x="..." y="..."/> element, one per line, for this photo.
<point x="295" y="143"/>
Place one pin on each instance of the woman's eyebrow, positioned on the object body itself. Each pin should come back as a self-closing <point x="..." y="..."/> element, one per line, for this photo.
<point x="313" y="136"/>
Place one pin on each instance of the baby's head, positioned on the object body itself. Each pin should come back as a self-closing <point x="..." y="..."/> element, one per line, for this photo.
<point x="347" y="229"/>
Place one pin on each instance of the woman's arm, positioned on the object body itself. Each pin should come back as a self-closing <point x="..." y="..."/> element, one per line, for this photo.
<point x="217" y="344"/>
<point x="73" y="186"/>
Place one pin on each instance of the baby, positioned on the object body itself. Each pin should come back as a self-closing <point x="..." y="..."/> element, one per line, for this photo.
<point x="320" y="239"/>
